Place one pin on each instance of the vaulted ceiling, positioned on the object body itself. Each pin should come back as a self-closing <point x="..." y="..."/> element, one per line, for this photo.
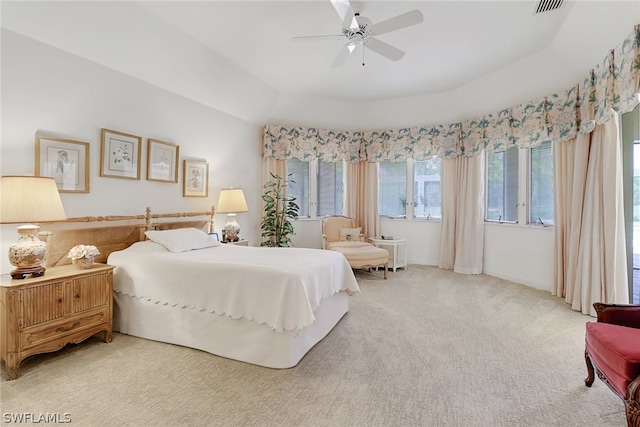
<point x="219" y="52"/>
<point x="457" y="42"/>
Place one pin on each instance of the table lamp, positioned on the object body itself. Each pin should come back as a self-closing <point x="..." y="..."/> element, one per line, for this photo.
<point x="231" y="202"/>
<point x="29" y="199"/>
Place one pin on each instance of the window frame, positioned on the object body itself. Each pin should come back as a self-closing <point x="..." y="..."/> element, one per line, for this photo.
<point x="529" y="182"/>
<point x="408" y="194"/>
<point x="410" y="208"/>
<point x="518" y="216"/>
<point x="315" y="172"/>
<point x="524" y="191"/>
<point x="310" y="189"/>
<point x="313" y="189"/>
<point x="411" y="193"/>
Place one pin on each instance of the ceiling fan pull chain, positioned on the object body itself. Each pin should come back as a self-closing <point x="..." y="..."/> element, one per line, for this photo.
<point x="363" y="53"/>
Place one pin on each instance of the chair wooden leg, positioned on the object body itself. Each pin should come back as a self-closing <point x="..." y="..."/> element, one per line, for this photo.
<point x="632" y="404"/>
<point x="386" y="267"/>
<point x="590" y="371"/>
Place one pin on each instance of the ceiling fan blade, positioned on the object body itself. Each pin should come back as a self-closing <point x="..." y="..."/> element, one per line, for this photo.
<point x="384" y="49"/>
<point x="401" y="21"/>
<point x="344" y="54"/>
<point x="321" y="37"/>
<point x="343" y="7"/>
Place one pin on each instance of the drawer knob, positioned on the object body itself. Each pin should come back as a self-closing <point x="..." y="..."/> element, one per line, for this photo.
<point x="59" y="300"/>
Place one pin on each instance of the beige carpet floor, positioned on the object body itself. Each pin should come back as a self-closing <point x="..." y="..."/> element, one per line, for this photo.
<point x="426" y="347"/>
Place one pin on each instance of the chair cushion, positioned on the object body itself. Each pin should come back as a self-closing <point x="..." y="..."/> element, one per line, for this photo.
<point x="348" y="244"/>
<point x="616" y="352"/>
<point x="362" y="256"/>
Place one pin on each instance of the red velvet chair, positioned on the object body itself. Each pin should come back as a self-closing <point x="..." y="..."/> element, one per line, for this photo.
<point x="612" y="350"/>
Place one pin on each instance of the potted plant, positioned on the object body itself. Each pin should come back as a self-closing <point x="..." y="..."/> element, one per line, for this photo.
<point x="279" y="210"/>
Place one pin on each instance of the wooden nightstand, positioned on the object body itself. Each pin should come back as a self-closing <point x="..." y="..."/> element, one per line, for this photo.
<point x="238" y="243"/>
<point x="43" y="314"/>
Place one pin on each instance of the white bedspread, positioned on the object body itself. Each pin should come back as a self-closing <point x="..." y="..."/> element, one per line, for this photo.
<point x="280" y="287"/>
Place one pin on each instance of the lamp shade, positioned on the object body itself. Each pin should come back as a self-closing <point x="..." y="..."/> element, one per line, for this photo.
<point x="29" y="199"/>
<point x="232" y="201"/>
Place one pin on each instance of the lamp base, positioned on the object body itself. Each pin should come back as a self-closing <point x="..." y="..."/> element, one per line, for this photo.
<point x="232" y="228"/>
<point x="28" y="253"/>
<point x="22" y="272"/>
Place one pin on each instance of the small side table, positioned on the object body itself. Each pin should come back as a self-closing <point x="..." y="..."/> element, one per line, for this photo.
<point x="398" y="253"/>
<point x="238" y="243"/>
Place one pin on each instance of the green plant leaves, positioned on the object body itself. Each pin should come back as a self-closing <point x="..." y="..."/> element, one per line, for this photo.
<point x="279" y="210"/>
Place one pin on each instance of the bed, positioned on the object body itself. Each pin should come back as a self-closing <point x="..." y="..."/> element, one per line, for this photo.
<point x="265" y="306"/>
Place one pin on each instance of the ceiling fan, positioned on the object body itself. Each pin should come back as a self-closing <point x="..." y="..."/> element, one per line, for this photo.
<point x="358" y="30"/>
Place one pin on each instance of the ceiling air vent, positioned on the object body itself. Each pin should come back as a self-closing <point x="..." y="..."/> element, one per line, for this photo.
<point x="547" y="5"/>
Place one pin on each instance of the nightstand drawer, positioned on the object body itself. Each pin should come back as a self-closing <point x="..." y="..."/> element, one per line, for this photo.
<point x="37" y="335"/>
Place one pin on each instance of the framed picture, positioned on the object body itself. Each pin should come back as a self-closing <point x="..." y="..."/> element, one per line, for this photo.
<point x="66" y="161"/>
<point x="162" y="161"/>
<point x="120" y="155"/>
<point x="195" y="180"/>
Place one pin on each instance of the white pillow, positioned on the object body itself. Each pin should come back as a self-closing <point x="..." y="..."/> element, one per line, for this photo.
<point x="182" y="239"/>
<point x="350" y="234"/>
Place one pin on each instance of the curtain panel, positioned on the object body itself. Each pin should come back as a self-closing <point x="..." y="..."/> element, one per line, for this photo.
<point x="361" y="196"/>
<point x="611" y="86"/>
<point x="462" y="241"/>
<point x="590" y="261"/>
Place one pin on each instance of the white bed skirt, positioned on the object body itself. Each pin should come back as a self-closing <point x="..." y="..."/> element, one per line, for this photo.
<point x="240" y="339"/>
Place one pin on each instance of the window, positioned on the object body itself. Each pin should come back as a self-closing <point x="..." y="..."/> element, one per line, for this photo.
<point x="530" y="203"/>
<point x="298" y="172"/>
<point x="426" y="188"/>
<point x="392" y="189"/>
<point x="541" y="184"/>
<point x="330" y="188"/>
<point x="502" y="186"/>
<point x="318" y="187"/>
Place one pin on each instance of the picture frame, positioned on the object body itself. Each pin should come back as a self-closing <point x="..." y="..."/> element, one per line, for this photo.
<point x="162" y="161"/>
<point x="64" y="160"/>
<point x="120" y="154"/>
<point x="215" y="236"/>
<point x="195" y="179"/>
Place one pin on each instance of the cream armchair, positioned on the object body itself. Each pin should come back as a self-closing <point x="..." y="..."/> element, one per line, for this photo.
<point x="341" y="234"/>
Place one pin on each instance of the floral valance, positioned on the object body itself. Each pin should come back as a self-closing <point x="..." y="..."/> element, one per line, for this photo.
<point x="612" y="86"/>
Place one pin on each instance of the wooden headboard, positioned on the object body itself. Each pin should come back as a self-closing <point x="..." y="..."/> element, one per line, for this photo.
<point x="60" y="237"/>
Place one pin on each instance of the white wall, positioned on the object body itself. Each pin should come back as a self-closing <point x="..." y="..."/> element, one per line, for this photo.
<point x="316" y="112"/>
<point x="523" y="254"/>
<point x="54" y="93"/>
